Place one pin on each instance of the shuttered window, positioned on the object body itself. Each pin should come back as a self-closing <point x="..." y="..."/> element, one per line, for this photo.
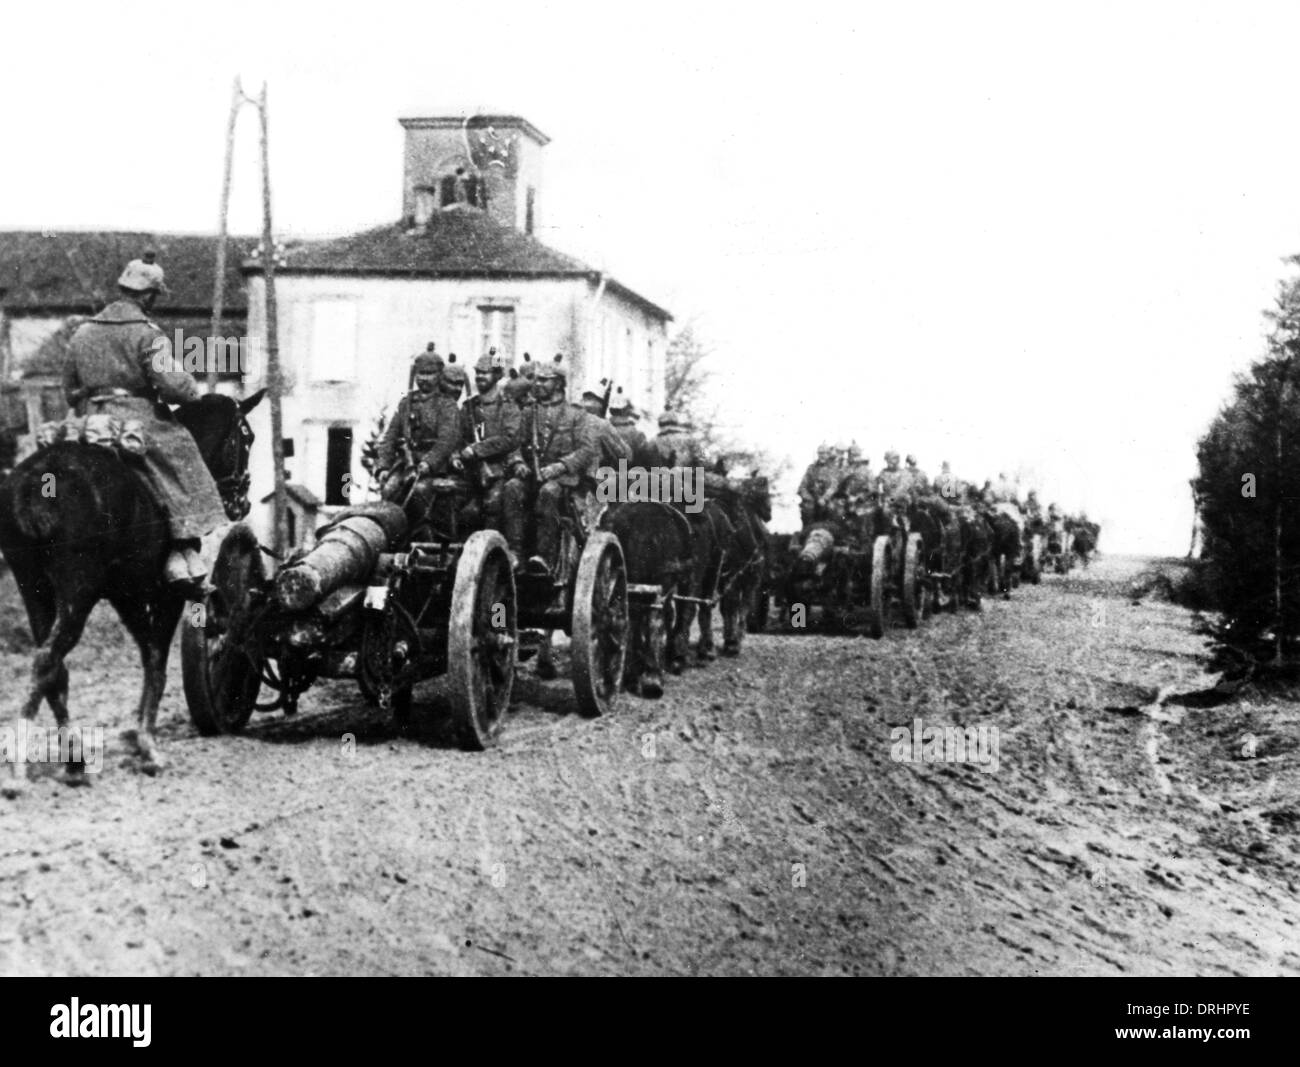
<point x="497" y="330"/>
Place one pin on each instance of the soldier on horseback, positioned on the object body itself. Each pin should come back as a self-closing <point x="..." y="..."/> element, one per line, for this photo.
<point x="120" y="363"/>
<point x="421" y="439"/>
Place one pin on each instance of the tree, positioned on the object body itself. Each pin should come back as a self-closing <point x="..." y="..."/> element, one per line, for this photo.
<point x="687" y="392"/>
<point x="1248" y="479"/>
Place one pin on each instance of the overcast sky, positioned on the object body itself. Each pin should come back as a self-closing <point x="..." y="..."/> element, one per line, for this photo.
<point x="1026" y="237"/>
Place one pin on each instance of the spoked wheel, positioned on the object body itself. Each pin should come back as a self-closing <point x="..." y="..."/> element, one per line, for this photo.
<point x="481" y="639"/>
<point x="220" y="663"/>
<point x="914" y="597"/>
<point x="600" y="624"/>
<point x="879" y="585"/>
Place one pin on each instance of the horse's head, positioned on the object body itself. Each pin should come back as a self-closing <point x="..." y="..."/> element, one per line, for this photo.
<point x="757" y="493"/>
<point x="221" y="429"/>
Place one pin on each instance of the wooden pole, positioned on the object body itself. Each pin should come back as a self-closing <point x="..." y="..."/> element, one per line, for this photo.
<point x="274" y="380"/>
<point x="219" y="282"/>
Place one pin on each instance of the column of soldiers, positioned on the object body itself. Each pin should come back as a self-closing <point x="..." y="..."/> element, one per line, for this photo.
<point x="840" y="484"/>
<point x="513" y="450"/>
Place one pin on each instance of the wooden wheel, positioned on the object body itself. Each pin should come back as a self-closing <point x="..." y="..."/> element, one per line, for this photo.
<point x="481" y="639"/>
<point x="913" y="582"/>
<point x="879" y="585"/>
<point x="220" y="663"/>
<point x="600" y="624"/>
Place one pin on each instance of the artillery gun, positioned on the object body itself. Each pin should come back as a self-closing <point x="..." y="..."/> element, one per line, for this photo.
<point x="369" y="604"/>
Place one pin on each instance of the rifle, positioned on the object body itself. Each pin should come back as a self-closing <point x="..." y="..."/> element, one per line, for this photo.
<point x="407" y="452"/>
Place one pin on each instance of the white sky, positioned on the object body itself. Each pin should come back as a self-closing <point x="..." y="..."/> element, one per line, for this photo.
<point x="1018" y="236"/>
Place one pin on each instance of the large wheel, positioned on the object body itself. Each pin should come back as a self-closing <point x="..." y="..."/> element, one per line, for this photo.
<point x="481" y="639"/>
<point x="600" y="624"/>
<point x="913" y="582"/>
<point x="220" y="663"/>
<point x="879" y="586"/>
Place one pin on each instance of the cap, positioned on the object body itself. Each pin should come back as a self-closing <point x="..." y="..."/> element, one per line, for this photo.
<point x="669" y="420"/>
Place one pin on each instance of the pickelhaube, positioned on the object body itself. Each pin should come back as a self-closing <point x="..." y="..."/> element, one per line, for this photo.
<point x="490" y="361"/>
<point x="453" y="374"/>
<point x="143" y="275"/>
<point x="553" y="368"/>
<point x="428" y="361"/>
<point x="621" y="406"/>
<point x="517" y="389"/>
<point x="891" y="456"/>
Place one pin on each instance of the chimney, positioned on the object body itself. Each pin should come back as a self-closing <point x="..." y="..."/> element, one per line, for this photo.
<point x="491" y="163"/>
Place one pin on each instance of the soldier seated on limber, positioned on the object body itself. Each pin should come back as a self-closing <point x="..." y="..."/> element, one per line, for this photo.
<point x="818" y="485"/>
<point x="613" y="447"/>
<point x="561" y="445"/>
<point x="492" y="434"/>
<point x="418" y="445"/>
<point x="623" y="416"/>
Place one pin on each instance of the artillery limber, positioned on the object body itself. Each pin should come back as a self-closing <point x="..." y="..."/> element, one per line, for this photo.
<point x="1058" y="553"/>
<point x="856" y="577"/>
<point x="369" y="604"/>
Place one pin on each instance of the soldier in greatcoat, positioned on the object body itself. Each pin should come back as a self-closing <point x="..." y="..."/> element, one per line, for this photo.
<point x="121" y="363"/>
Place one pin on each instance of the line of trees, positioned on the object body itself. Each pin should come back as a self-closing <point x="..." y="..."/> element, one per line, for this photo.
<point x="1248" y="488"/>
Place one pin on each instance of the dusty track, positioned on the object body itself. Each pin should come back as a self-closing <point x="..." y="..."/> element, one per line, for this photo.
<point x="663" y="839"/>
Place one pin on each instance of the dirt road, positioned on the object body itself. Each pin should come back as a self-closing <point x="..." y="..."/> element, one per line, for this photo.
<point x="755" y="820"/>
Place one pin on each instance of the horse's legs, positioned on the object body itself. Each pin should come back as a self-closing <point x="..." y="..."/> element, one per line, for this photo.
<point x="49" y="675"/>
<point x="152" y="625"/>
<point x="680" y="636"/>
<point x="705" y="649"/>
<point x="652" y="650"/>
<point x="545" y="658"/>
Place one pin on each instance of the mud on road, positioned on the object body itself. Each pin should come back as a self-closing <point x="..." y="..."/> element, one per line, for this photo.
<point x="751" y="821"/>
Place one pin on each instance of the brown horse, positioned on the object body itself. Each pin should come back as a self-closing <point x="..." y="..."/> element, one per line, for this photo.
<point x="100" y="535"/>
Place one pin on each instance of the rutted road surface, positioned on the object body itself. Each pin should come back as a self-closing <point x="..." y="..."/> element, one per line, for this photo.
<point x="752" y="821"/>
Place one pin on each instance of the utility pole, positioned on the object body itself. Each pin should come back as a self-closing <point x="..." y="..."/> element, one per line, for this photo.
<point x="274" y="379"/>
<point x="219" y="282"/>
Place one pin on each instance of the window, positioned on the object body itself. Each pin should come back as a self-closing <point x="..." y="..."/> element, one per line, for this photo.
<point x="497" y="331"/>
<point x="530" y="210"/>
<point x="338" y="463"/>
<point x="333" y="355"/>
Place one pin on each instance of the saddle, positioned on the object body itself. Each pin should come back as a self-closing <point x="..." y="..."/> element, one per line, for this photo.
<point x="124" y="436"/>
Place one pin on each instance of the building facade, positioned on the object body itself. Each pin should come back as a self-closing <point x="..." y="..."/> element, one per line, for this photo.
<point x="462" y="269"/>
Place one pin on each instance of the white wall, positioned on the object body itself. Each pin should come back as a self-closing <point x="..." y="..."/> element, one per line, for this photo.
<point x="367" y="330"/>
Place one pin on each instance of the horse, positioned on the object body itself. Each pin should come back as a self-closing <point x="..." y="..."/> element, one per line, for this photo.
<point x="711" y="538"/>
<point x="745" y="565"/>
<point x="101" y="535"/>
<point x="1006" y="551"/>
<point x="657" y="550"/>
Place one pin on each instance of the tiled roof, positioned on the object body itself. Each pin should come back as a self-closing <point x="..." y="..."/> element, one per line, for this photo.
<point x="70" y="271"/>
<point x="458" y="242"/>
